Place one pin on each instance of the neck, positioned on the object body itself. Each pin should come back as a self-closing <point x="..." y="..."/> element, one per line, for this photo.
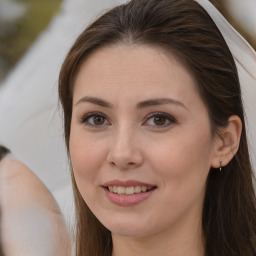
<point x="182" y="242"/>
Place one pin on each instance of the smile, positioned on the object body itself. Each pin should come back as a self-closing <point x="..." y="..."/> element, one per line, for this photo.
<point x="121" y="190"/>
<point x="128" y="193"/>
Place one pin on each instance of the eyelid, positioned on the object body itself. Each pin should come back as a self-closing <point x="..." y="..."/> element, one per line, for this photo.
<point x="84" y="119"/>
<point x="168" y="117"/>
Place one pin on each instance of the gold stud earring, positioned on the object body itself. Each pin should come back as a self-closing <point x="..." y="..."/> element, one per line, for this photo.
<point x="220" y="165"/>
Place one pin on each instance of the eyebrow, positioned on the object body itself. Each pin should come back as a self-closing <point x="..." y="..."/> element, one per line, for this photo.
<point x="156" y="102"/>
<point x="140" y="105"/>
<point x="95" y="101"/>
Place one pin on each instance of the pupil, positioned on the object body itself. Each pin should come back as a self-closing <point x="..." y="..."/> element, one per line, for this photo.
<point x="98" y="120"/>
<point x="159" y="120"/>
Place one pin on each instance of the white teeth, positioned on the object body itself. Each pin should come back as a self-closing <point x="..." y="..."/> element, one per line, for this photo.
<point x="144" y="189"/>
<point x="128" y="190"/>
<point x="137" y="189"/>
<point x="121" y="190"/>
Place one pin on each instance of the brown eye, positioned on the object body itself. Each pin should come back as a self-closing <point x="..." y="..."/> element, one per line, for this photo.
<point x="98" y="120"/>
<point x="159" y="120"/>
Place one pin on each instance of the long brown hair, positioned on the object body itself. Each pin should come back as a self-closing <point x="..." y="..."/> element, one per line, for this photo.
<point x="185" y="29"/>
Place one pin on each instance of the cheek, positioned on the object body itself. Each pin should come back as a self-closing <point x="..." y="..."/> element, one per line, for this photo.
<point x="183" y="162"/>
<point x="182" y="168"/>
<point x="86" y="157"/>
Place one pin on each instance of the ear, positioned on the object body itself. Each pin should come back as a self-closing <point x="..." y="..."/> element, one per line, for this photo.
<point x="227" y="142"/>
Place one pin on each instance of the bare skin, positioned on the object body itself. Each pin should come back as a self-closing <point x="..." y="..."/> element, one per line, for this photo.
<point x="31" y="222"/>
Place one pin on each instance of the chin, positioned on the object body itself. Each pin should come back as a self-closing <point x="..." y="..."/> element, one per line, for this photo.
<point x="134" y="228"/>
<point x="130" y="232"/>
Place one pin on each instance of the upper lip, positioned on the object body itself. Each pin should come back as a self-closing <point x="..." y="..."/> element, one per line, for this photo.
<point x="127" y="183"/>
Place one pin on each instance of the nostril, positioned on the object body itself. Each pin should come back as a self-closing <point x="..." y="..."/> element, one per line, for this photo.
<point x="131" y="163"/>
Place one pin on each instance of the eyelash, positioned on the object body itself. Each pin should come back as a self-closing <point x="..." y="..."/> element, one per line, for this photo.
<point x="85" y="119"/>
<point x="168" y="118"/>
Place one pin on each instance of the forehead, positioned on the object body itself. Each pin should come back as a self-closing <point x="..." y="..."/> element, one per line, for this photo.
<point x="134" y="71"/>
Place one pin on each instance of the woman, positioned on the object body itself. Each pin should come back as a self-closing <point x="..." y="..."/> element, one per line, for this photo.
<point x="155" y="131"/>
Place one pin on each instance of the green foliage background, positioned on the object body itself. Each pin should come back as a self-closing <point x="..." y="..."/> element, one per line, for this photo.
<point x="38" y="15"/>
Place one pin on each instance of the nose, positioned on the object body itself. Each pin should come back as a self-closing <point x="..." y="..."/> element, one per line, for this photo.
<point x="125" y="151"/>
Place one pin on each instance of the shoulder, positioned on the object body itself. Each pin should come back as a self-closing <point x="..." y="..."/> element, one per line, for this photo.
<point x="18" y="182"/>
<point x="9" y="166"/>
<point x="27" y="207"/>
<point x="11" y="170"/>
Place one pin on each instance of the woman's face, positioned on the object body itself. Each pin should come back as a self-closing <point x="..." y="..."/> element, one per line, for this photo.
<point x="140" y="141"/>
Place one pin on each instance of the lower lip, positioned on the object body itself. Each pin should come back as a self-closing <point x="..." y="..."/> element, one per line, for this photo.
<point x="128" y="200"/>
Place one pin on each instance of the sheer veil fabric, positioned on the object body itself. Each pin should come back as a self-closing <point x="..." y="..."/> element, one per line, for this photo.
<point x="30" y="125"/>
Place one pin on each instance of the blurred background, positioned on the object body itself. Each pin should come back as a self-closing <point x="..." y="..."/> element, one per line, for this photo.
<point x="21" y="21"/>
<point x="242" y="15"/>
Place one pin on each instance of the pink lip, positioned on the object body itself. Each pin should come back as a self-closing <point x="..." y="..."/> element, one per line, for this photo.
<point x="127" y="183"/>
<point x="127" y="200"/>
